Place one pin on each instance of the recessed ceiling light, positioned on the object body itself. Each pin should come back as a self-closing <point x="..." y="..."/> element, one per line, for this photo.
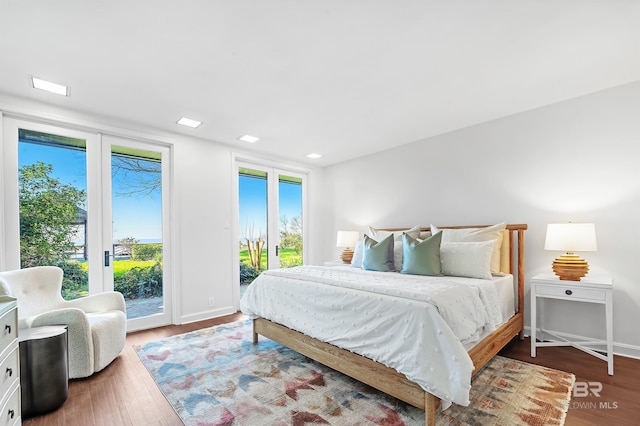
<point x="58" y="89"/>
<point x="314" y="155"/>
<point x="248" y="138"/>
<point x="189" y="122"/>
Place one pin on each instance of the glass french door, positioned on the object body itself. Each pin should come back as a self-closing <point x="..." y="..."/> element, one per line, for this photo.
<point x="270" y="219"/>
<point x="48" y="214"/>
<point x="135" y="200"/>
<point x="69" y="199"/>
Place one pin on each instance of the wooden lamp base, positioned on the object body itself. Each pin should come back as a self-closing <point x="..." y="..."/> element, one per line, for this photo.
<point x="347" y="255"/>
<point x="570" y="267"/>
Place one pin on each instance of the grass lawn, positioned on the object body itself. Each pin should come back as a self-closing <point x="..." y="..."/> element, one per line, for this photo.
<point x="121" y="266"/>
<point x="288" y="256"/>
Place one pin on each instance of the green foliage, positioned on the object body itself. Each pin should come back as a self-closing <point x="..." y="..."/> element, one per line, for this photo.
<point x="134" y="279"/>
<point x="140" y="282"/>
<point x="146" y="252"/>
<point x="121" y="266"/>
<point x="291" y="262"/>
<point x="247" y="273"/>
<point x="291" y="233"/>
<point x="48" y="209"/>
<point x="293" y="241"/>
<point x="75" y="280"/>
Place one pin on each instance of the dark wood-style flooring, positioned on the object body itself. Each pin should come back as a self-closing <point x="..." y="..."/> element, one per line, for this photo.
<point x="125" y="394"/>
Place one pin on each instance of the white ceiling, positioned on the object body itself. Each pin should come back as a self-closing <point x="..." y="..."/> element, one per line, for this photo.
<point x="336" y="77"/>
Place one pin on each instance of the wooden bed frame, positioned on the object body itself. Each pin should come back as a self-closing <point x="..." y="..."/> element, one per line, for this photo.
<point x="387" y="379"/>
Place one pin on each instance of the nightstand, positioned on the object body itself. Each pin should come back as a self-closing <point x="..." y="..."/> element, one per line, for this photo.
<point x="589" y="290"/>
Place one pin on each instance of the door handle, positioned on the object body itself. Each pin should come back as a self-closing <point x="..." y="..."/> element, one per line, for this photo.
<point x="107" y="255"/>
<point x="277" y="251"/>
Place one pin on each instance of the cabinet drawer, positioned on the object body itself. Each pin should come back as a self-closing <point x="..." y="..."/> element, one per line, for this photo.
<point x="561" y="292"/>
<point x="9" y="370"/>
<point x="8" y="328"/>
<point x="10" y="411"/>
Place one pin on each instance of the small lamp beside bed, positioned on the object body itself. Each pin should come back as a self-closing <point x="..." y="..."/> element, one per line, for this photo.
<point x="347" y="240"/>
<point x="570" y="237"/>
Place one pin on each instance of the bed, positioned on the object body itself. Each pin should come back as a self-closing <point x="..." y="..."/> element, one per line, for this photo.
<point x="346" y="300"/>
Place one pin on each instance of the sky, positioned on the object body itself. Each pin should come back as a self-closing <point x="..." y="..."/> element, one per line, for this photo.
<point x="139" y="217"/>
<point x="253" y="203"/>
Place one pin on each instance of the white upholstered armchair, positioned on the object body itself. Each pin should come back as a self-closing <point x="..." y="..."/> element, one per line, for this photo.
<point x="96" y="324"/>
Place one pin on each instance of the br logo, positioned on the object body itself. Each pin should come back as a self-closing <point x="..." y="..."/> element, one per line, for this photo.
<point x="583" y="389"/>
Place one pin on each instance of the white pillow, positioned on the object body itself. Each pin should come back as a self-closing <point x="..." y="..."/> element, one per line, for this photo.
<point x="356" y="260"/>
<point x="379" y="235"/>
<point x="489" y="233"/>
<point x="472" y="259"/>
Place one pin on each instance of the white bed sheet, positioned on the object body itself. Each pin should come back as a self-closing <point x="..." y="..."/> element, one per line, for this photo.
<point x="420" y="326"/>
<point x="506" y="299"/>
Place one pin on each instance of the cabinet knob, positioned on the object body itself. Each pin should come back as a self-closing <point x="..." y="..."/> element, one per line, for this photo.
<point x="568" y="292"/>
<point x="11" y="414"/>
<point x="9" y="371"/>
<point x="7" y="328"/>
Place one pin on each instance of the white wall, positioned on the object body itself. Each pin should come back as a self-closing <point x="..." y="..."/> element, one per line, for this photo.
<point x="576" y="161"/>
<point x="573" y="161"/>
<point x="202" y="211"/>
<point x="203" y="177"/>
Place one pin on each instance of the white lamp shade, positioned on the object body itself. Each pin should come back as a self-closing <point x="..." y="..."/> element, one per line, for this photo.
<point x="571" y="237"/>
<point x="347" y="238"/>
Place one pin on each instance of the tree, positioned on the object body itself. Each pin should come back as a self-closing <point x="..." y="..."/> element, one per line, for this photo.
<point x="255" y="244"/>
<point x="126" y="245"/>
<point x="291" y="233"/>
<point x="48" y="210"/>
<point x="138" y="175"/>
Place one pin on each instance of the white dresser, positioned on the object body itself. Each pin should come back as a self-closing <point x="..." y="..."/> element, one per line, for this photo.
<point x="9" y="363"/>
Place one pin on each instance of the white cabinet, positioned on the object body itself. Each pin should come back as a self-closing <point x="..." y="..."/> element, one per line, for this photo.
<point x="9" y="363"/>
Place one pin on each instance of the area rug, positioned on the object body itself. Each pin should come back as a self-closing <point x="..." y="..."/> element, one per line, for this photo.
<point x="216" y="376"/>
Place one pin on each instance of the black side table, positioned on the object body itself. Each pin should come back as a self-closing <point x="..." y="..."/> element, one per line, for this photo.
<point x="44" y="369"/>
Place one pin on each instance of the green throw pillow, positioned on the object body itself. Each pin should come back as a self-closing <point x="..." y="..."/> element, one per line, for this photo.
<point x="378" y="256"/>
<point x="421" y="257"/>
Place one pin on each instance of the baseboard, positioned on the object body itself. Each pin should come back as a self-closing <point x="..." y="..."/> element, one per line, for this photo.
<point x="208" y="314"/>
<point x="621" y="349"/>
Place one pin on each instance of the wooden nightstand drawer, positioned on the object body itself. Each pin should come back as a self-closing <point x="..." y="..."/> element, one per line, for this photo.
<point x="571" y="292"/>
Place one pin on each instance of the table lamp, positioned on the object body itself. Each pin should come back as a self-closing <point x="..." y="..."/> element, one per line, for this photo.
<point x="569" y="238"/>
<point x="347" y="240"/>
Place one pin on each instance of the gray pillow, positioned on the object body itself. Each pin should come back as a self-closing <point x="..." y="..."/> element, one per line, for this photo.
<point x="421" y="257"/>
<point x="378" y="256"/>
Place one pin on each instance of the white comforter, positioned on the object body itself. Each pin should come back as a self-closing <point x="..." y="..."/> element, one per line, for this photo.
<point x="414" y="324"/>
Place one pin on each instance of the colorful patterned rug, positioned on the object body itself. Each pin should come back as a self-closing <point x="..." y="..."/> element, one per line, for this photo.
<point x="216" y="376"/>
